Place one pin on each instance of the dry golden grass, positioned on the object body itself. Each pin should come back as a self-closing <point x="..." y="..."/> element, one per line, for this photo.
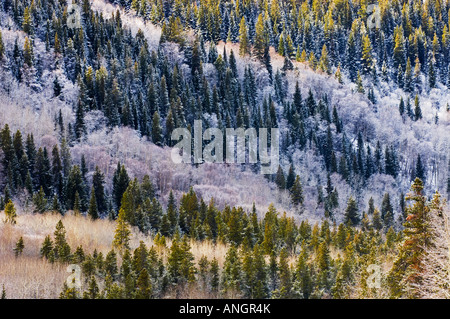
<point x="28" y="276"/>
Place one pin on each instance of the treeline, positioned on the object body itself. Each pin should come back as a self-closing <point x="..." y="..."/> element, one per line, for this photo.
<point x="281" y="261"/>
<point x="324" y="262"/>
<point x="53" y="182"/>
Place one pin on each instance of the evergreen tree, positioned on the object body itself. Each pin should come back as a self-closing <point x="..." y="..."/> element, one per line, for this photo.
<point x="279" y="179"/>
<point x="61" y="247"/>
<point x="359" y="84"/>
<point x="377" y="222"/>
<point x="297" y="192"/>
<point x="290" y="179"/>
<point x="261" y="46"/>
<point x="367" y="55"/>
<point x="75" y="184"/>
<point x="80" y="128"/>
<point x="93" y="210"/>
<point x="47" y="248"/>
<point x="28" y="55"/>
<point x="10" y="213"/>
<point x="417" y="109"/>
<point x="93" y="291"/>
<point x="351" y="212"/>
<point x="401" y="106"/>
<point x="120" y="184"/>
<point x="420" y="169"/>
<point x="406" y="273"/>
<point x="232" y="272"/>
<point x="244" y="41"/>
<point x="143" y="285"/>
<point x="98" y="181"/>
<point x="27" y="24"/>
<point x="2" y="47"/>
<point x="408" y="81"/>
<point x="156" y="129"/>
<point x="386" y="206"/>
<point x="122" y="233"/>
<point x="18" y="250"/>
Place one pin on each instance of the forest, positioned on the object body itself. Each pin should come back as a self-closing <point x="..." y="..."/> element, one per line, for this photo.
<point x="91" y="92"/>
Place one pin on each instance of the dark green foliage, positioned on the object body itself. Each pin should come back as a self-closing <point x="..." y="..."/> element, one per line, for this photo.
<point x="351" y="212"/>
<point x="18" y="250"/>
<point x="93" y="210"/>
<point x="61" y="248"/>
<point x="297" y="192"/>
<point x="120" y="184"/>
<point x="98" y="181"/>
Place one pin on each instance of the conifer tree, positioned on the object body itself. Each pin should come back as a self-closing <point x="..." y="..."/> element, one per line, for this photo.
<point x="10" y="213"/>
<point x="69" y="293"/>
<point x="297" y="192"/>
<point x="98" y="181"/>
<point x="57" y="45"/>
<point x="231" y="274"/>
<point x="359" y="84"/>
<point x="399" y="49"/>
<point x="80" y="127"/>
<point x="303" y="283"/>
<point x="417" y="109"/>
<point x="111" y="264"/>
<point x="408" y="81"/>
<point x="28" y="52"/>
<point x="406" y="274"/>
<point x="78" y="256"/>
<point x="338" y="75"/>
<point x="120" y="184"/>
<point x="215" y="277"/>
<point x="290" y="179"/>
<point x="401" y="106"/>
<point x="156" y="129"/>
<point x="56" y="208"/>
<point x="351" y="212"/>
<point x="431" y="73"/>
<point x="2" y="47"/>
<point x="122" y="233"/>
<point x="279" y="179"/>
<point x="386" y="206"/>
<point x="323" y="263"/>
<point x="75" y="184"/>
<point x="27" y="24"/>
<point x="244" y="41"/>
<point x="419" y="169"/>
<point x="47" y="247"/>
<point x="76" y="204"/>
<point x="261" y="39"/>
<point x="285" y="289"/>
<point x="367" y="55"/>
<point x="143" y="285"/>
<point x="324" y="63"/>
<point x="93" y="291"/>
<point x="61" y="247"/>
<point x="93" y="210"/>
<point x="18" y="250"/>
